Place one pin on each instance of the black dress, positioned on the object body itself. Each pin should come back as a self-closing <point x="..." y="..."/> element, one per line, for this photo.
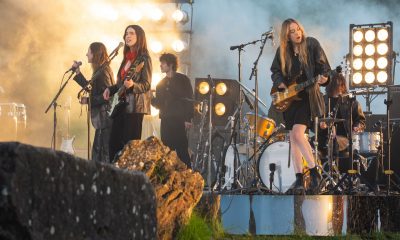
<point x="299" y="111"/>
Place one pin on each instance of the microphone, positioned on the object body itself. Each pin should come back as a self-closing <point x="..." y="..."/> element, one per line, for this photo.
<point x="272" y="168"/>
<point x="115" y="51"/>
<point x="270" y="35"/>
<point x="236" y="47"/>
<point x="73" y="69"/>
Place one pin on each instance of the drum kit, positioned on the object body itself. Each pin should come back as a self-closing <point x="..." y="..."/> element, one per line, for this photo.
<point x="272" y="170"/>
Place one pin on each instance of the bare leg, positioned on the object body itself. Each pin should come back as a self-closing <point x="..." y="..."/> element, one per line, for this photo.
<point x="297" y="138"/>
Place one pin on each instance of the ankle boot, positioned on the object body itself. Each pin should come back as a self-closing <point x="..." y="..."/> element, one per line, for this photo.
<point x="299" y="184"/>
<point x="315" y="180"/>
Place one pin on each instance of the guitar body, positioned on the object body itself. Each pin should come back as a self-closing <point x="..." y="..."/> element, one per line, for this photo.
<point x="282" y="100"/>
<point x="118" y="101"/>
<point x="67" y="145"/>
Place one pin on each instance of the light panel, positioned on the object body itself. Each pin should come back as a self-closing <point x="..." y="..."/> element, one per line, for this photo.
<point x="370" y="57"/>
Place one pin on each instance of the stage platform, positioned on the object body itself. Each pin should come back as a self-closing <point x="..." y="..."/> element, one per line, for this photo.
<point x="314" y="215"/>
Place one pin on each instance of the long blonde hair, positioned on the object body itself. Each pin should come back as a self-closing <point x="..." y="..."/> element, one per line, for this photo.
<point x="286" y="60"/>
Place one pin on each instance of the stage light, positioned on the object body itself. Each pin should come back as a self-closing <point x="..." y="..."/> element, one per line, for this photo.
<point x="369" y="77"/>
<point x="369" y="36"/>
<point x="382" y="62"/>
<point x="357" y="64"/>
<point x="370" y="54"/>
<point x="357" y="78"/>
<point x="369" y="50"/>
<point x="358" y="36"/>
<point x="220" y="109"/>
<point x="383" y="34"/>
<point x="178" y="45"/>
<point x="204" y="88"/>
<point x="221" y="88"/>
<point x="382" y="77"/>
<point x="357" y="50"/>
<point x="369" y="63"/>
<point x="225" y="98"/>
<point x="382" y="48"/>
<point x="156" y="14"/>
<point x="156" y="46"/>
<point x="133" y="14"/>
<point x="180" y="16"/>
<point x="104" y="11"/>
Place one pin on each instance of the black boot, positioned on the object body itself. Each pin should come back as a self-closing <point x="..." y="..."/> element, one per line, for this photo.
<point x="315" y="180"/>
<point x="298" y="188"/>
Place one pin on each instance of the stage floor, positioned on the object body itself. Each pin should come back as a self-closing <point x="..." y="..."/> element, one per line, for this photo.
<point x="315" y="215"/>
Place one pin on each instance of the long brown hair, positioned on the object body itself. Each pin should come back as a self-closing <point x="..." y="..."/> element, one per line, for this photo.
<point x="336" y="85"/>
<point x="141" y="43"/>
<point x="100" y="55"/>
<point x="286" y="61"/>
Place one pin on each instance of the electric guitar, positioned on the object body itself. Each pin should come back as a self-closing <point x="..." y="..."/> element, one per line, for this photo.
<point x="67" y="144"/>
<point x="281" y="100"/>
<point x="118" y="101"/>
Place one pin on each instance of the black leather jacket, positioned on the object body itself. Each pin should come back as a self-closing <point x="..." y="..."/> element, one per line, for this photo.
<point x="101" y="79"/>
<point x="139" y="95"/>
<point x="317" y="65"/>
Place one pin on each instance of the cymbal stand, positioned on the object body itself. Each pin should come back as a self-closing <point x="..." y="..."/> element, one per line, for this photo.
<point x="353" y="175"/>
<point x="232" y="122"/>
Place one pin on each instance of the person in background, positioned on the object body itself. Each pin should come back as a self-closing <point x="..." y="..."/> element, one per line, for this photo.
<point x="173" y="98"/>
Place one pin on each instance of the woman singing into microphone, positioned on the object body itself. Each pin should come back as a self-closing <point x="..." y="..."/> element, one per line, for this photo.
<point x="101" y="79"/>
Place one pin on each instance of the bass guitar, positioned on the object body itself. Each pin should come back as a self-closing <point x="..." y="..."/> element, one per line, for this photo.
<point x="281" y="100"/>
<point x="118" y="101"/>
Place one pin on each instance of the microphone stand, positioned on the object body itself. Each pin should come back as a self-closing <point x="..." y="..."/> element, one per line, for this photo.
<point x="240" y="49"/>
<point x="211" y="82"/>
<point x="255" y="74"/>
<point x="54" y="104"/>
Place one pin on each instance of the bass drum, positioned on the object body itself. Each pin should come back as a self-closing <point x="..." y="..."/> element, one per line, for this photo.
<point x="284" y="176"/>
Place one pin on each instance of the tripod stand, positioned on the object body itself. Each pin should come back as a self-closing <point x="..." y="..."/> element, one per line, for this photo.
<point x="353" y="175"/>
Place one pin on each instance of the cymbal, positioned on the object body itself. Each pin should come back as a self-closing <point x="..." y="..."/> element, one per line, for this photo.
<point x="331" y="120"/>
<point x="252" y="94"/>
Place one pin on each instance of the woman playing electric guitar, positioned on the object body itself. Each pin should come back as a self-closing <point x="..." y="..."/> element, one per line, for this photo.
<point x="128" y="124"/>
<point x="300" y="58"/>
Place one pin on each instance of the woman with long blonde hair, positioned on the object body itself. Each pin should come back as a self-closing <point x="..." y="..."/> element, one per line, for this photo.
<point x="298" y="59"/>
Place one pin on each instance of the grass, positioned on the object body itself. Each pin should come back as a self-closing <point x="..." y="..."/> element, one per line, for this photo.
<point x="200" y="228"/>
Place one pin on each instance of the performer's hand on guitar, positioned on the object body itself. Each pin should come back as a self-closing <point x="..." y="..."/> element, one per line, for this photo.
<point x="128" y="83"/>
<point x="357" y="128"/>
<point x="323" y="125"/>
<point x="282" y="87"/>
<point x="106" y="94"/>
<point x="322" y="79"/>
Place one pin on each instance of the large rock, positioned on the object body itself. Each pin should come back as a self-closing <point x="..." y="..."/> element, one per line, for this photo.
<point x="54" y="195"/>
<point x="178" y="189"/>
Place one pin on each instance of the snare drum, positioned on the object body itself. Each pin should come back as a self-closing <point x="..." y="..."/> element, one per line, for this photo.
<point x="265" y="126"/>
<point x="366" y="142"/>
